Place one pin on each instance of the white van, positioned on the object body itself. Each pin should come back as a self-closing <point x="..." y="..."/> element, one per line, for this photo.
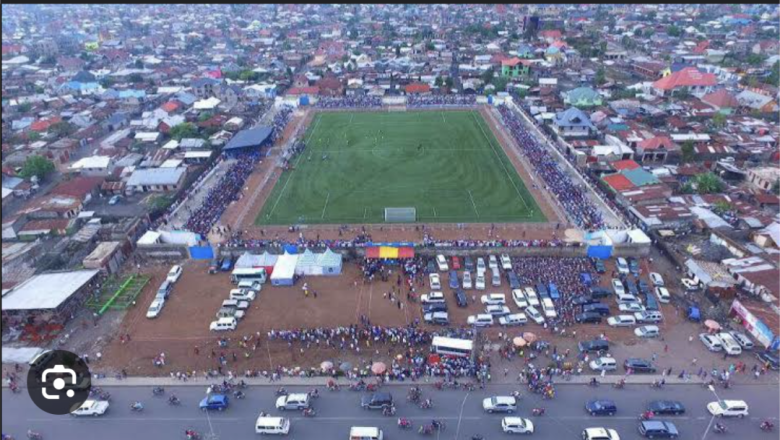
<point x="242" y="294"/>
<point x="625" y="298"/>
<point x="730" y="345"/>
<point x="533" y="299"/>
<point x="603" y="364"/>
<point x="496" y="278"/>
<point x="534" y="314"/>
<point x="223" y="324"/>
<point x="365" y="433"/>
<point x="548" y="308"/>
<point x="253" y="285"/>
<point x="272" y="425"/>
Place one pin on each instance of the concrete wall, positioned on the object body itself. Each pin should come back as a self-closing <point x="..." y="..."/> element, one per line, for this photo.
<point x="163" y="252"/>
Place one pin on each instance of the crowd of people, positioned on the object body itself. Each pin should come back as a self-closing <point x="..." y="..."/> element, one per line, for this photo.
<point x="349" y="102"/>
<point x="573" y="197"/>
<point x="230" y="186"/>
<point x="416" y="101"/>
<point x="429" y="241"/>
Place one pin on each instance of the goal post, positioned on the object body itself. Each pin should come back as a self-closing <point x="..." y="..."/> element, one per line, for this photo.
<point x="400" y="215"/>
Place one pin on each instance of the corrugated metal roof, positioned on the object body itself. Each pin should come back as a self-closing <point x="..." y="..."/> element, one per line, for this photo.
<point x="46" y="291"/>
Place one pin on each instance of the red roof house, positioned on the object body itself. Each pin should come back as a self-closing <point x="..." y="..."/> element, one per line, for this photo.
<point x="618" y="182"/>
<point x="721" y="99"/>
<point x="627" y="164"/>
<point x="418" y="88"/>
<point x="690" y="78"/>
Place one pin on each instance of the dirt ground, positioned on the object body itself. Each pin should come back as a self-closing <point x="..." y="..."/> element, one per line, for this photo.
<point x="340" y="301"/>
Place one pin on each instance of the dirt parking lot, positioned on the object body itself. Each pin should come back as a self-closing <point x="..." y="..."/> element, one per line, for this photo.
<point x="183" y="323"/>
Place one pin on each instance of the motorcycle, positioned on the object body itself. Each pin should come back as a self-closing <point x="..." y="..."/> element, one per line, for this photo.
<point x="332" y="386"/>
<point x="537" y="411"/>
<point x="647" y="415"/>
<point x="281" y="392"/>
<point x="426" y="430"/>
<point x="718" y="428"/>
<point x="241" y="385"/>
<point x="477" y="437"/>
<point x="308" y="412"/>
<point x="619" y="385"/>
<point x="174" y="401"/>
<point x="593" y="382"/>
<point x="192" y="435"/>
<point x="426" y="404"/>
<point x="105" y="396"/>
<point x="388" y="411"/>
<point x="137" y="406"/>
<point x="357" y="386"/>
<point x="7" y="437"/>
<point x="656" y="384"/>
<point x="32" y="435"/>
<point x="158" y="391"/>
<point x="239" y="394"/>
<point x="404" y="423"/>
<point x="766" y="426"/>
<point x="314" y="393"/>
<point x="516" y="394"/>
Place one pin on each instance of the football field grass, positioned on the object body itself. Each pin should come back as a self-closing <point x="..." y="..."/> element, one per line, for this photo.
<point x="447" y="165"/>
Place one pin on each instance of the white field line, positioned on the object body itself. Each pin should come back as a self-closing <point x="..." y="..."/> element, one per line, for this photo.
<point x="473" y="204"/>
<point x="327" y="199"/>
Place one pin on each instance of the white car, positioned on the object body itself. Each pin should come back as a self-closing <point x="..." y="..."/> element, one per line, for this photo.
<point x="433" y="298"/>
<point x="600" y="434"/>
<point x="493" y="299"/>
<point x="617" y="285"/>
<point x="513" y="319"/>
<point x="656" y="279"/>
<point x="497" y="310"/>
<point x="743" y="340"/>
<point x="493" y="262"/>
<point x="549" y="308"/>
<point x="506" y="262"/>
<point x="507" y="404"/>
<point x="467" y="283"/>
<point x="435" y="281"/>
<point x="519" y="298"/>
<point x="621" y="321"/>
<point x="174" y="274"/>
<point x="155" y="308"/>
<point x="480" y="283"/>
<point x="243" y="295"/>
<point x="91" y="408"/>
<point x="647" y="331"/>
<point x="622" y="266"/>
<point x="689" y="284"/>
<point x="481" y="265"/>
<point x="711" y="342"/>
<point x="293" y="401"/>
<point x="480" y="320"/>
<point x="534" y="314"/>
<point x="663" y="295"/>
<point x="603" y="364"/>
<point x="730" y="345"/>
<point x="631" y="307"/>
<point x="517" y="425"/>
<point x="728" y="408"/>
<point x="442" y="263"/>
<point x="533" y="299"/>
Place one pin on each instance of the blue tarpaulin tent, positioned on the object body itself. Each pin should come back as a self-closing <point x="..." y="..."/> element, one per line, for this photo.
<point x="291" y="248"/>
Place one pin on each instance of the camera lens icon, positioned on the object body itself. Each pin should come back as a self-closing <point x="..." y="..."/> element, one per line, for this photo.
<point x="58" y="382"/>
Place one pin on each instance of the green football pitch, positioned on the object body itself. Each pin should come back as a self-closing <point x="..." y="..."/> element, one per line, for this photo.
<point x="446" y="165"/>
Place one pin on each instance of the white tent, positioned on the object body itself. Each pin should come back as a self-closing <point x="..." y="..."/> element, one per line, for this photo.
<point x="248" y="260"/>
<point x="329" y="262"/>
<point x="284" y="270"/>
<point x="307" y="264"/>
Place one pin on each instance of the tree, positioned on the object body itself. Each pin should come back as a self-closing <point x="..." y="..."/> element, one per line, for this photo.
<point x="184" y="130"/>
<point x="500" y="83"/>
<point x="159" y="203"/>
<point x="776" y="188"/>
<point x="673" y="31"/>
<point x="687" y="151"/>
<point x="719" y="120"/>
<point x="139" y="64"/>
<point x="755" y="59"/>
<point x="439" y="82"/>
<point x="398" y="51"/>
<point x="135" y="78"/>
<point x="37" y="166"/>
<point x="774" y="78"/>
<point x="487" y="77"/>
<point x="600" y="77"/>
<point x="33" y="136"/>
<point x="24" y="108"/>
<point x="708" y="183"/>
<point x="430" y="46"/>
<point x="721" y="206"/>
<point x="62" y="129"/>
<point x="205" y="116"/>
<point x="448" y="82"/>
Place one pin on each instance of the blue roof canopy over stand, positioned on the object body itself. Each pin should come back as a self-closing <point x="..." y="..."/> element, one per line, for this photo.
<point x="253" y="137"/>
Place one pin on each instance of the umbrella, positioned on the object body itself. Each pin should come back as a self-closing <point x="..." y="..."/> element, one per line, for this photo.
<point x="378" y="368"/>
<point x="529" y="337"/>
<point x="345" y="366"/>
<point x="712" y="325"/>
<point x="399" y="357"/>
<point x="519" y="342"/>
<point x="327" y="365"/>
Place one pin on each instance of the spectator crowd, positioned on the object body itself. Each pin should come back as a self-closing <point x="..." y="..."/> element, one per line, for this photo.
<point x="349" y="102"/>
<point x="415" y="101"/>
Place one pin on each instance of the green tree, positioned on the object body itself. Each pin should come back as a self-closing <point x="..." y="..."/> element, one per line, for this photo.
<point x="398" y="50"/>
<point x="439" y="82"/>
<point x="205" y="116"/>
<point x="687" y="151"/>
<point x="430" y="46"/>
<point x="721" y="206"/>
<point x="448" y="82"/>
<point x="24" y="108"/>
<point x="488" y="75"/>
<point x="62" y="129"/>
<point x="600" y="77"/>
<point x="33" y="136"/>
<point x="159" y="203"/>
<point x="139" y="64"/>
<point x="673" y="31"/>
<point x="708" y="183"/>
<point x="719" y="120"/>
<point x="755" y="59"/>
<point x="776" y="187"/>
<point x="38" y="166"/>
<point x="500" y="83"/>
<point x="774" y="78"/>
<point x="184" y="130"/>
<point x="135" y="78"/>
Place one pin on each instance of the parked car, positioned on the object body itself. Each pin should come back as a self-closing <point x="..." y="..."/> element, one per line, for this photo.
<point x="433" y="297"/>
<point x="656" y="279"/>
<point x="534" y="314"/>
<point x="631" y="307"/>
<point x="638" y="365"/>
<point x="438" y="318"/>
<point x="460" y="298"/>
<point x="434" y="307"/>
<point x="430" y="267"/>
<point x="648" y="317"/>
<point x="174" y="274"/>
<point x="295" y="401"/>
<point x="506" y="404"/>
<point x="728" y="408"/>
<point x="242" y="295"/>
<point x="622" y="266"/>
<point x="598" y="264"/>
<point x="492" y="262"/>
<point x="378" y="400"/>
<point x="517" y="425"/>
<point x="441" y="262"/>
<point x="480" y="320"/>
<point x="481" y="265"/>
<point x="644" y="288"/>
<point x="480" y="282"/>
<point x="600" y="308"/>
<point x="468" y="263"/>
<point x="453" y="279"/>
<point x="658" y="429"/>
<point x="593" y="345"/>
<point x="601" y="407"/>
<point x="494" y="299"/>
<point x="114" y="200"/>
<point x="621" y="321"/>
<point x="513" y="319"/>
<point x="617" y="286"/>
<point x="497" y="310"/>
<point x="647" y="331"/>
<point x="435" y="281"/>
<point x="519" y="298"/>
<point x="227" y="264"/>
<point x="742" y="339"/>
<point x="666" y="407"/>
<point x="599" y="434"/>
<point x="164" y="290"/>
<point x="506" y="262"/>
<point x="600" y="292"/>
<point x="455" y="263"/>
<point x="711" y="342"/>
<point x="219" y="402"/>
<point x="155" y="308"/>
<point x="530" y="295"/>
<point x="689" y="284"/>
<point x="730" y="345"/>
<point x="769" y="358"/>
<point x="603" y="364"/>
<point x="633" y="266"/>
<point x="663" y="295"/>
<point x="583" y="300"/>
<point x="588" y="318"/>
<point x="467" y="282"/>
<point x="514" y="282"/>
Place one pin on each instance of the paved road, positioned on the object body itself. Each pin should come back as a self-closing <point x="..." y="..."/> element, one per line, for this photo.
<point x="337" y="411"/>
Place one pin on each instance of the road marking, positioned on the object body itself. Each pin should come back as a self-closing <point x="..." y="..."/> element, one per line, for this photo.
<point x="709" y="425"/>
<point x="327" y="199"/>
<point x="460" y="416"/>
<point x="473" y="204"/>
